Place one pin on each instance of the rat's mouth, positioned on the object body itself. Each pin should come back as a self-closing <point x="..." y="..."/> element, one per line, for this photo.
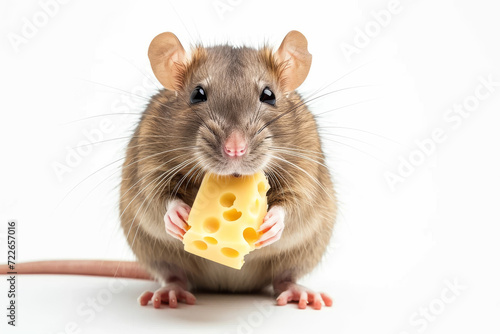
<point x="233" y="168"/>
<point x="220" y="163"/>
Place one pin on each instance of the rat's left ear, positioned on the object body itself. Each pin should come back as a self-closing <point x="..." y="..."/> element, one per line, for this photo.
<point x="295" y="58"/>
<point x="168" y="60"/>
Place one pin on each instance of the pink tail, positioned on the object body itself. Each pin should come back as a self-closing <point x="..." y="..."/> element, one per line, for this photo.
<point x="80" y="267"/>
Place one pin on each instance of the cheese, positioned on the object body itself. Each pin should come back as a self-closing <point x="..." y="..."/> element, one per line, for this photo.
<point x="225" y="217"/>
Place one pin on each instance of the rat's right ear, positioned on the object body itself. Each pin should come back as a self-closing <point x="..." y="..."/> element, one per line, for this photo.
<point x="168" y="60"/>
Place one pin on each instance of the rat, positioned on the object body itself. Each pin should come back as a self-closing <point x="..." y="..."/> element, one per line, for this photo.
<point x="235" y="111"/>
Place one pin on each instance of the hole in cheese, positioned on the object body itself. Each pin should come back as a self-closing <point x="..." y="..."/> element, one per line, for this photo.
<point x="200" y="244"/>
<point x="211" y="225"/>
<point x="262" y="188"/>
<point x="250" y="235"/>
<point x="227" y="200"/>
<point x="229" y="252"/>
<point x="211" y="240"/>
<point x="254" y="208"/>
<point x="232" y="215"/>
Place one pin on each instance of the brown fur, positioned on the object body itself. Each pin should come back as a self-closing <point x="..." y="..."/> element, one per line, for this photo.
<point x="233" y="79"/>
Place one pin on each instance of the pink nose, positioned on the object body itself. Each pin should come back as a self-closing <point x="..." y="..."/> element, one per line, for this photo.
<point x="235" y="145"/>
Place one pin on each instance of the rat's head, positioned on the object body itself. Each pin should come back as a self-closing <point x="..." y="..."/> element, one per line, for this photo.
<point x="229" y="101"/>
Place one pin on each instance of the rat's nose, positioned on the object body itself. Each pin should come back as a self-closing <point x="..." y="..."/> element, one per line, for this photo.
<point x="235" y="145"/>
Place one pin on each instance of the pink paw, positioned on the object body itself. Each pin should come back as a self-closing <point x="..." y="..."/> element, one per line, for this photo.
<point x="293" y="292"/>
<point x="272" y="227"/>
<point x="170" y="294"/>
<point x="176" y="218"/>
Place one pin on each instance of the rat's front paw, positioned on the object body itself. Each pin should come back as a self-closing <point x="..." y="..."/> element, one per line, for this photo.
<point x="176" y="218"/>
<point x="274" y="223"/>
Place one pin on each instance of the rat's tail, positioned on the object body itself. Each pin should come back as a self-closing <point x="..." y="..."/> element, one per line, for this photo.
<point x="79" y="267"/>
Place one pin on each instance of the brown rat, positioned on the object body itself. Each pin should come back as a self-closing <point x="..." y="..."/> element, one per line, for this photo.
<point x="225" y="110"/>
<point x="228" y="110"/>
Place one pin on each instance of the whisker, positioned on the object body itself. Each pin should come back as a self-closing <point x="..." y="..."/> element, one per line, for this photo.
<point x="149" y="173"/>
<point x="117" y="89"/>
<point x="298" y="155"/>
<point x="347" y="137"/>
<point x="162" y="176"/>
<point x="272" y="173"/>
<point x="359" y="150"/>
<point x="346" y="106"/>
<point x="293" y="193"/>
<point x="307" y="102"/>
<point x="109" y="114"/>
<point x="132" y="223"/>
<point x="179" y="167"/>
<point x="147" y="99"/>
<point x="338" y="79"/>
<point x="128" y="137"/>
<point x="96" y="116"/>
<point x="306" y="199"/>
<point x="102" y="168"/>
<point x="177" y="187"/>
<point x="109" y="176"/>
<point x="200" y="173"/>
<point x="140" y="71"/>
<point x="312" y="153"/>
<point x="365" y="131"/>
<point x="305" y="172"/>
<point x="194" y="173"/>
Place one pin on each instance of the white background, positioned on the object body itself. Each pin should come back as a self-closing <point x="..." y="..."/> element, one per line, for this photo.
<point x="396" y="249"/>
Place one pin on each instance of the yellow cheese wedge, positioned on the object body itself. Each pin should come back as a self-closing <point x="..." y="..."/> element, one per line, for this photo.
<point x="225" y="217"/>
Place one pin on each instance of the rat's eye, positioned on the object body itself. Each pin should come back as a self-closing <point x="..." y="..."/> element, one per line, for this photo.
<point x="198" y="95"/>
<point x="268" y="97"/>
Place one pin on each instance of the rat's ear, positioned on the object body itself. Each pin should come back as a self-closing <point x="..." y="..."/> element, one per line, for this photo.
<point x="168" y="59"/>
<point x="295" y="58"/>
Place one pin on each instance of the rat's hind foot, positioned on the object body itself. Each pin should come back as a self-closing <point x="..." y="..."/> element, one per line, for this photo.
<point x="170" y="294"/>
<point x="289" y="291"/>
